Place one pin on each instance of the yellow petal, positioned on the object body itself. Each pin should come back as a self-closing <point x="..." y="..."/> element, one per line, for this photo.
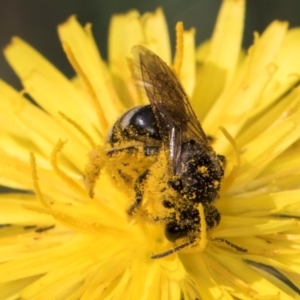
<point x="188" y="67"/>
<point x="12" y="289"/>
<point x="199" y="274"/>
<point x="252" y="226"/>
<point x="266" y="203"/>
<point x="12" y="210"/>
<point x="273" y="116"/>
<point x="49" y="88"/>
<point x="261" y="151"/>
<point x="18" y="174"/>
<point x="287" y="73"/>
<point x="30" y="128"/>
<point x="257" y="287"/>
<point x="232" y="108"/>
<point x="278" y="282"/>
<point x="124" y="32"/>
<point x="127" y="31"/>
<point x="223" y="54"/>
<point x="157" y="35"/>
<point x="83" y="54"/>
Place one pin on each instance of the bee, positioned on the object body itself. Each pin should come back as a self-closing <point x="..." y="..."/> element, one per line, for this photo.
<point x="191" y="171"/>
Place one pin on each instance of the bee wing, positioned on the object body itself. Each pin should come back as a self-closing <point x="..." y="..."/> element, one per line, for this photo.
<point x="176" y="119"/>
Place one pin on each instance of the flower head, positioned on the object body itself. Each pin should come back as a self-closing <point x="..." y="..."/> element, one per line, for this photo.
<point x="66" y="233"/>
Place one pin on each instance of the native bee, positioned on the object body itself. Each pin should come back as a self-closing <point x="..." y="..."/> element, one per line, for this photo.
<point x="192" y="171"/>
<point x="171" y="154"/>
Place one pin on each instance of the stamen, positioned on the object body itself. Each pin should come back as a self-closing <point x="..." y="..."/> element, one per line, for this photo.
<point x="232" y="143"/>
<point x="58" y="148"/>
<point x="233" y="173"/>
<point x="179" y="48"/>
<point x="80" y="129"/>
<point x="35" y="179"/>
<point x="76" y="66"/>
<point x="93" y="169"/>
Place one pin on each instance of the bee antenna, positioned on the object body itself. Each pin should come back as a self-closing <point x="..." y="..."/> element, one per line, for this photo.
<point x="171" y="251"/>
<point x="232" y="245"/>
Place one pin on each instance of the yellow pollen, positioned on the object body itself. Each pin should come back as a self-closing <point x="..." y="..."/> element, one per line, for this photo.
<point x="203" y="226"/>
<point x="216" y="183"/>
<point x="203" y="170"/>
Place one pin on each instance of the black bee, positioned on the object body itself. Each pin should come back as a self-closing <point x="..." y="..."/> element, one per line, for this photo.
<point x="192" y="172"/>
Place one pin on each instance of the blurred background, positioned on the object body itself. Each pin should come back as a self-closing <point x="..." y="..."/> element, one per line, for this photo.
<point x="36" y="21"/>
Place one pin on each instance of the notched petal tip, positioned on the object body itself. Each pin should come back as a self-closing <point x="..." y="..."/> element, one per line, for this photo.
<point x="70" y="19"/>
<point x="13" y="42"/>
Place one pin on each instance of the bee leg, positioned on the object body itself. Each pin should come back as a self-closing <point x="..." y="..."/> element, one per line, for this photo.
<point x="129" y="150"/>
<point x="139" y="191"/>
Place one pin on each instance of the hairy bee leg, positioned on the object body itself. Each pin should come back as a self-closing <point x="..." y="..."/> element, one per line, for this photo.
<point x="148" y="150"/>
<point x="128" y="149"/>
<point x="155" y="219"/>
<point x="96" y="163"/>
<point x="139" y="191"/>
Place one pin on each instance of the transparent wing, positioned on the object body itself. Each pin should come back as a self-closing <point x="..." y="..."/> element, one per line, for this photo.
<point x="176" y="119"/>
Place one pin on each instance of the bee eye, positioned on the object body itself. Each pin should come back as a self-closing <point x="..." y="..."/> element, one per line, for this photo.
<point x="173" y="231"/>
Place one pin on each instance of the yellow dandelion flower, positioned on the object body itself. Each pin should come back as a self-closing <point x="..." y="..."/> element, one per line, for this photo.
<point x="67" y="234"/>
